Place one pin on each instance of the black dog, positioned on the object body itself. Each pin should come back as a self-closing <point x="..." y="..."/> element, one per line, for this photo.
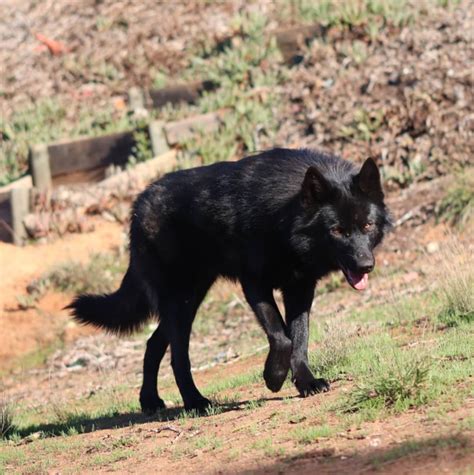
<point x="278" y="220"/>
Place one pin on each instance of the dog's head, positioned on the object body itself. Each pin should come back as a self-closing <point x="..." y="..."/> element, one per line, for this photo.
<point x="349" y="214"/>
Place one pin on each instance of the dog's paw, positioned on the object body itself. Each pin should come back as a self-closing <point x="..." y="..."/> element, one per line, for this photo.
<point x="199" y="405"/>
<point x="277" y="366"/>
<point x="150" y="403"/>
<point x="309" y="386"/>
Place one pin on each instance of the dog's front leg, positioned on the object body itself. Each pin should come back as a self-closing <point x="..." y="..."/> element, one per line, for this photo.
<point x="263" y="304"/>
<point x="298" y="300"/>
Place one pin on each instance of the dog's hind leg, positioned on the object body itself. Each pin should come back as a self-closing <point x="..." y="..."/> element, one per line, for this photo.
<point x="263" y="304"/>
<point x="298" y="300"/>
<point x="155" y="350"/>
<point x="177" y="311"/>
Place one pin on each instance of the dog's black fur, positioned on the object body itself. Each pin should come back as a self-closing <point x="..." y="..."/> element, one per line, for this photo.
<point x="279" y="220"/>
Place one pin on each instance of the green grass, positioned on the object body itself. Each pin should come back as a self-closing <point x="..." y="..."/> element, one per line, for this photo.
<point x="242" y="69"/>
<point x="112" y="457"/>
<point x="232" y="382"/>
<point x="247" y="68"/>
<point x="396" y="380"/>
<point x="363" y="13"/>
<point x="208" y="442"/>
<point x="310" y="435"/>
<point x="365" y="122"/>
<point x="331" y="354"/>
<point x="12" y="455"/>
<point x="47" y="120"/>
<point x="399" y="312"/>
<point x="267" y="447"/>
<point x="374" y="16"/>
<point x="388" y="375"/>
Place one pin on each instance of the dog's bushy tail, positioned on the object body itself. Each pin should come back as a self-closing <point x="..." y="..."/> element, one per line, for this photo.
<point x="122" y="311"/>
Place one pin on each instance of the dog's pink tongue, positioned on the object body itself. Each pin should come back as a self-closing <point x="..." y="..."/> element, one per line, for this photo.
<point x="358" y="281"/>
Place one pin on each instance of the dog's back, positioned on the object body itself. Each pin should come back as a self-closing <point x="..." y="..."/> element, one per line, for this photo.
<point x="228" y="215"/>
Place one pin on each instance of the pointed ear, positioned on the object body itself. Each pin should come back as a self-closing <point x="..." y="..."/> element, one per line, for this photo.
<point x="314" y="187"/>
<point x="368" y="180"/>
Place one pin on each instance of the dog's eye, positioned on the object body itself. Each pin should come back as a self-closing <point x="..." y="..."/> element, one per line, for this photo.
<point x="368" y="226"/>
<point x="338" y="231"/>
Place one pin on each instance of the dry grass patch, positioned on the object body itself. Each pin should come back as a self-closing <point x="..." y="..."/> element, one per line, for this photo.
<point x="455" y="282"/>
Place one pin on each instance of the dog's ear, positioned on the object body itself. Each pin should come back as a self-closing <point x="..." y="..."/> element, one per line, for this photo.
<point x="368" y="180"/>
<point x="315" y="187"/>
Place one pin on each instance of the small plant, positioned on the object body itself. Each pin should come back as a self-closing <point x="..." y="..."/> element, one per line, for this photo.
<point x="141" y="150"/>
<point x="99" y="275"/>
<point x="333" y="351"/>
<point x="456" y="283"/>
<point x="308" y="435"/>
<point x="214" y="410"/>
<point x="364" y="126"/>
<point x="247" y="72"/>
<point x="160" y="79"/>
<point x="266" y="446"/>
<point x="352" y="13"/>
<point x="210" y="442"/>
<point x="396" y="380"/>
<point x="6" y="419"/>
<point x="457" y="207"/>
<point x="254" y="404"/>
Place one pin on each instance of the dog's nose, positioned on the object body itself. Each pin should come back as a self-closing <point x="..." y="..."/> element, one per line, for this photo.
<point x="366" y="269"/>
<point x="365" y="263"/>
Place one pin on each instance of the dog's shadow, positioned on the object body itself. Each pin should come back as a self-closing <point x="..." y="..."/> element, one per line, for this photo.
<point x="83" y="423"/>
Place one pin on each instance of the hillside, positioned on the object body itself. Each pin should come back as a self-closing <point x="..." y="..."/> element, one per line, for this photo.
<point x="388" y="79"/>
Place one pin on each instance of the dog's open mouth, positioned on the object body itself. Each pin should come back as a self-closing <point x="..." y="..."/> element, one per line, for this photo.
<point x="357" y="280"/>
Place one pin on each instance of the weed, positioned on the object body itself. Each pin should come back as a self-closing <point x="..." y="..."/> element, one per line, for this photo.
<point x="448" y="3"/>
<point x="364" y="125"/>
<point x="125" y="441"/>
<point x="266" y="446"/>
<point x="214" y="410"/>
<point x="141" y="150"/>
<point x="234" y="454"/>
<point x="6" y="419"/>
<point x="99" y="275"/>
<point x="308" y="435"/>
<point x="211" y="442"/>
<point x="358" y="52"/>
<point x="160" y="79"/>
<point x="255" y="404"/>
<point x="331" y="354"/>
<point x="454" y="354"/>
<point x="357" y="12"/>
<point x="12" y="455"/>
<point x="396" y="380"/>
<point x="457" y="207"/>
<point x="112" y="457"/>
<point x="456" y="283"/>
<point x="245" y="90"/>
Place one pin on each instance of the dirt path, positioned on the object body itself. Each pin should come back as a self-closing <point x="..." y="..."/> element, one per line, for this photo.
<point x="264" y="439"/>
<point x="370" y="448"/>
<point x="24" y="331"/>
